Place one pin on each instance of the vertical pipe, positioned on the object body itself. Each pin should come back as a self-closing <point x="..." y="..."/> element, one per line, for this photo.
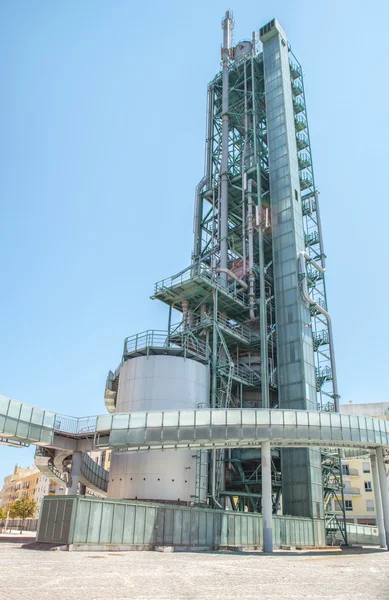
<point x="384" y="491"/>
<point x="244" y="173"/>
<point x="378" y="500"/>
<point x="261" y="258"/>
<point x="75" y="473"/>
<point x="214" y="350"/>
<point x="318" y="220"/>
<point x="227" y="23"/>
<point x="267" y="509"/>
<point x="250" y="231"/>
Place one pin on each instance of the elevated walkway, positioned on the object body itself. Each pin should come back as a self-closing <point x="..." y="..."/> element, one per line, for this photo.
<point x="202" y="428"/>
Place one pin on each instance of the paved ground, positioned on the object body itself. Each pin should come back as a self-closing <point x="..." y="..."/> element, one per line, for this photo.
<point x="34" y="575"/>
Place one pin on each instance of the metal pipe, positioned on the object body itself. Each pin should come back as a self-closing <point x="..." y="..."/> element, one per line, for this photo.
<point x="227" y="26"/>
<point x="242" y="283"/>
<point x="384" y="490"/>
<point x="267" y="508"/>
<point x="243" y="171"/>
<point x="250" y="231"/>
<point x="304" y="287"/>
<point x="318" y="219"/>
<point x="213" y="483"/>
<point x="185" y="311"/>
<point x="378" y="499"/>
<point x="196" y="218"/>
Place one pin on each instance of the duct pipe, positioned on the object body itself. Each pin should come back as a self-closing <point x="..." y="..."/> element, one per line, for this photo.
<point x="242" y="283"/>
<point x="227" y="26"/>
<point x="196" y="218"/>
<point x="378" y="499"/>
<point x="243" y="171"/>
<point x="250" y="231"/>
<point x="303" y="256"/>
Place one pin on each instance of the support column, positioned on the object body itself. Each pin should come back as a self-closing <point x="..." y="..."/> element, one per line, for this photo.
<point x="75" y="473"/>
<point x="267" y="508"/>
<point x="377" y="500"/>
<point x="384" y="491"/>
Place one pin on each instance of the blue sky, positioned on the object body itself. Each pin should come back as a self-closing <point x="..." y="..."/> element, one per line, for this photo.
<point x="102" y="140"/>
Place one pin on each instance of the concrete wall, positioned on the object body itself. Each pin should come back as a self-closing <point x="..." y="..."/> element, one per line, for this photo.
<point x="159" y="383"/>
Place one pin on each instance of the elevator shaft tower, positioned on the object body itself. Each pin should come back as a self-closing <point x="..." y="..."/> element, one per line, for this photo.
<point x="253" y="299"/>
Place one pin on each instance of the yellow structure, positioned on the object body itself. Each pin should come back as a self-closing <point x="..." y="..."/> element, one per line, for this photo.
<point x="26" y="482"/>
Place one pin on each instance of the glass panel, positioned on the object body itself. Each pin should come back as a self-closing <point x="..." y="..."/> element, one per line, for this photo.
<point x="104" y="422"/>
<point x="170" y="419"/>
<point x="345" y="421"/>
<point x="37" y="416"/>
<point x="354" y="422"/>
<point x="14" y="409"/>
<point x="10" y="426"/>
<point x="370" y="424"/>
<point x="325" y="419"/>
<point x="362" y="423"/>
<point x="25" y="413"/>
<point x="219" y="417"/>
<point x="314" y="419"/>
<point x="203" y="417"/>
<point x="4" y="403"/>
<point x="187" y="418"/>
<point x="120" y="421"/>
<point x="289" y="417"/>
<point x="302" y="417"/>
<point x="154" y="419"/>
<point x="248" y="417"/>
<point x="335" y="420"/>
<point x="263" y="417"/>
<point x="277" y="417"/>
<point x="48" y="419"/>
<point x="22" y="430"/>
<point x="137" y="420"/>
<point x="233" y="417"/>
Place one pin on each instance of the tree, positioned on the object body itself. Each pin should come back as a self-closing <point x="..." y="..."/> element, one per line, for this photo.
<point x="24" y="508"/>
<point x="3" y="514"/>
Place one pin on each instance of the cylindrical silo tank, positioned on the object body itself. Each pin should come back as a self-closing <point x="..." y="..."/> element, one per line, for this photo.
<point x="160" y="382"/>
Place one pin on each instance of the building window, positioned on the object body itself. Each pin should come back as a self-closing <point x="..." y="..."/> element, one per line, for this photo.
<point x="369" y="505"/>
<point x="368" y="487"/>
<point x="348" y="504"/>
<point x="366" y="467"/>
<point x="345" y="470"/>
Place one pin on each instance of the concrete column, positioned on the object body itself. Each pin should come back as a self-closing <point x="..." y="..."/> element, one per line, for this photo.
<point x="75" y="473"/>
<point x="377" y="500"/>
<point x="384" y="491"/>
<point x="267" y="508"/>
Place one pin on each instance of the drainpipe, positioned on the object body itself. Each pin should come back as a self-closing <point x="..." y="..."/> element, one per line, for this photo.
<point x="242" y="283"/>
<point x="227" y="26"/>
<point x="250" y="231"/>
<point x="213" y="491"/>
<point x="303" y="256"/>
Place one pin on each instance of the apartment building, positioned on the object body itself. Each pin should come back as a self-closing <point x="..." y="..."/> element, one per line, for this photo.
<point x="28" y="482"/>
<point x="357" y="472"/>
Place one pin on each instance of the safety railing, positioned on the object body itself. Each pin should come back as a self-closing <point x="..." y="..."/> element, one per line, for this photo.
<point x="67" y="424"/>
<point x="200" y="270"/>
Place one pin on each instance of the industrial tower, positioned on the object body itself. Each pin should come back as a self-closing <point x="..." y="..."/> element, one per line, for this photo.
<point x="255" y="331"/>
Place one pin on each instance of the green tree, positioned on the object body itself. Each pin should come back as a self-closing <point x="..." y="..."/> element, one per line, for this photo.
<point x="3" y="514"/>
<point x="24" y="508"/>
